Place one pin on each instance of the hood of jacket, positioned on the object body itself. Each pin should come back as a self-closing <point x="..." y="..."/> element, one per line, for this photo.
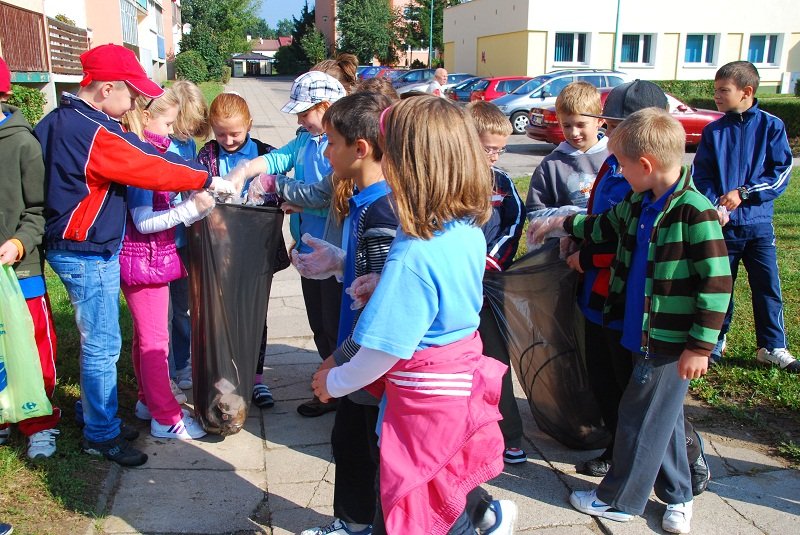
<point x="15" y="123"/>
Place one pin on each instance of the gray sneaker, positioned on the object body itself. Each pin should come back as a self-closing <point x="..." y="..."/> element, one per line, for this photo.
<point x="779" y="356"/>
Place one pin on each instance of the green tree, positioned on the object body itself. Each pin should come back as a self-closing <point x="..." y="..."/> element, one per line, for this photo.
<point x="285" y="26"/>
<point x="219" y="29"/>
<point x="418" y="22"/>
<point x="369" y="28"/>
<point x="293" y="59"/>
<point x="314" y="45"/>
<point x="261" y="29"/>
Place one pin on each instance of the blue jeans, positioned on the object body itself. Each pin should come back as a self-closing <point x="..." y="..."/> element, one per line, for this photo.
<point x="754" y="246"/>
<point x="92" y="283"/>
<point x="180" y="325"/>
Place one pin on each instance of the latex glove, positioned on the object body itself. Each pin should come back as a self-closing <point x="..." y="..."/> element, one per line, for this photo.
<point x="362" y="289"/>
<point x="542" y="228"/>
<point x="238" y="176"/>
<point x="260" y="186"/>
<point x="724" y="215"/>
<point x="203" y="202"/>
<point x="567" y="246"/>
<point x="221" y="186"/>
<point x="324" y="261"/>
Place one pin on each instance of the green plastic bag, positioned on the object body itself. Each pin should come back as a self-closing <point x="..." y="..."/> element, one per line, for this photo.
<point x="22" y="393"/>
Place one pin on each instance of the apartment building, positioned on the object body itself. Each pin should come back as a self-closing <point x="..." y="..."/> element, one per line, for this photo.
<point x="677" y="40"/>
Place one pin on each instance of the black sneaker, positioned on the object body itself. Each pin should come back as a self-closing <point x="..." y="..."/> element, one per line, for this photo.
<point x="117" y="450"/>
<point x="598" y="467"/>
<point x="701" y="473"/>
<point x="127" y="432"/>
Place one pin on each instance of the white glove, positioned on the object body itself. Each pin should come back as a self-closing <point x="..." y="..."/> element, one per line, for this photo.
<point x="203" y="202"/>
<point x="324" y="261"/>
<point x="260" y="186"/>
<point x="362" y="289"/>
<point x="221" y="186"/>
<point x="724" y="215"/>
<point x="238" y="176"/>
<point x="549" y="225"/>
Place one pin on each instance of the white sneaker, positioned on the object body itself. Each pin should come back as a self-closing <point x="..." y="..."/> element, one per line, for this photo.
<point x="586" y="501"/>
<point x="184" y="378"/>
<point x="180" y="397"/>
<point x="505" y="514"/>
<point x="779" y="356"/>
<point x="186" y="429"/>
<point x="677" y="518"/>
<point x="143" y="413"/>
<point x="337" y="527"/>
<point x="42" y="445"/>
<point x="5" y="434"/>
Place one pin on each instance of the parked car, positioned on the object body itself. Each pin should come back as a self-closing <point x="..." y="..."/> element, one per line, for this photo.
<point x="462" y="90"/>
<point x="492" y="88"/>
<point x="452" y="79"/>
<point x="371" y="71"/>
<point x="413" y="76"/>
<point x="541" y="92"/>
<point x="544" y="123"/>
<point x="391" y="73"/>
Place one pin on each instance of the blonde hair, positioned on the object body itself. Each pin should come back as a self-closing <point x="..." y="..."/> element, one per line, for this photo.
<point x="652" y="132"/>
<point x="435" y="166"/>
<point x="227" y="106"/>
<point x="343" y="67"/>
<point x="489" y="119"/>
<point x="134" y="119"/>
<point x="192" y="118"/>
<point x="579" y="98"/>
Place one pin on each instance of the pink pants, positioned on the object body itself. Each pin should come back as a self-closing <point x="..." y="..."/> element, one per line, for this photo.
<point x="149" y="306"/>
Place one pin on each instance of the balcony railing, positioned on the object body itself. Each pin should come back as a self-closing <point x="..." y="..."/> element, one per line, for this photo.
<point x="23" y="38"/>
<point x="67" y="43"/>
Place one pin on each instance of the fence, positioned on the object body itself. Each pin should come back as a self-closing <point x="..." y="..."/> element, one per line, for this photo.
<point x="23" y="39"/>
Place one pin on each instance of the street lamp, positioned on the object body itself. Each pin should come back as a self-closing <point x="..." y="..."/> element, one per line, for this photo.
<point x="430" y="40"/>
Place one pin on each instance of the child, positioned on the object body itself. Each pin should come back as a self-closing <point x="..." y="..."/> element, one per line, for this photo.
<point x="421" y="323"/>
<point x="311" y="95"/>
<point x="89" y="160"/>
<point x="22" y="216"/>
<point x="148" y="263"/>
<point x="502" y="234"/>
<point x="670" y="287"/>
<point x="743" y="163"/>
<point x="566" y="175"/>
<point x="192" y="122"/>
<point x="232" y="145"/>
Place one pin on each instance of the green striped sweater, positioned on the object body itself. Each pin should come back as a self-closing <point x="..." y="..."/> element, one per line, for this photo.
<point x="688" y="284"/>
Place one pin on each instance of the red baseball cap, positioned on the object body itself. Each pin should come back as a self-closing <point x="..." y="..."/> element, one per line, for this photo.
<point x="5" y="77"/>
<point x="112" y="63"/>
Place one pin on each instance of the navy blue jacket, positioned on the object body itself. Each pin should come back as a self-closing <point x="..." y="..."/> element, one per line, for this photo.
<point x="89" y="160"/>
<point x="747" y="149"/>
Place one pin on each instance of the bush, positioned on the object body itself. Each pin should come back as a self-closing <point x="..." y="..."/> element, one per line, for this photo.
<point x="687" y="89"/>
<point x="190" y="65"/>
<point x="29" y="100"/>
<point x="289" y="61"/>
<point x="417" y="64"/>
<point x="226" y="74"/>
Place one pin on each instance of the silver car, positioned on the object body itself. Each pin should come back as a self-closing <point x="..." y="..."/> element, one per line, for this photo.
<point x="542" y="92"/>
<point x="452" y="79"/>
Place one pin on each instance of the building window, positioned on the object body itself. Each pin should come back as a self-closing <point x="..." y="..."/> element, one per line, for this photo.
<point x="570" y="48"/>
<point x="130" y="30"/>
<point x="637" y="48"/>
<point x="762" y="49"/>
<point x="700" y="49"/>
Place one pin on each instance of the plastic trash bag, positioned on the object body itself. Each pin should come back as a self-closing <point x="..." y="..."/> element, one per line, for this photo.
<point x="22" y="393"/>
<point x="232" y="255"/>
<point x="535" y="307"/>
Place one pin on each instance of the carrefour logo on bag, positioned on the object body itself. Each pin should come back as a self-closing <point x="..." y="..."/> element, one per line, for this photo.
<point x="29" y="406"/>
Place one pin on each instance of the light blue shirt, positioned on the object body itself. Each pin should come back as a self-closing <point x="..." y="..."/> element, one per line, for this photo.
<point x="229" y="160"/>
<point x="430" y="292"/>
<point x="188" y="151"/>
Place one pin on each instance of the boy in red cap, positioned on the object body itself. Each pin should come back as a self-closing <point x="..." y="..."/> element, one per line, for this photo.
<point x="89" y="160"/>
<point x="22" y="211"/>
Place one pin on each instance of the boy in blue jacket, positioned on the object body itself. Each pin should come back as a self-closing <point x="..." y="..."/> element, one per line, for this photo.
<point x="743" y="163"/>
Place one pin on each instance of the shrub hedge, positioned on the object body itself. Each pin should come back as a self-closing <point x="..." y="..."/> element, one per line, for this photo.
<point x="29" y="100"/>
<point x="226" y="74"/>
<point x="190" y="65"/>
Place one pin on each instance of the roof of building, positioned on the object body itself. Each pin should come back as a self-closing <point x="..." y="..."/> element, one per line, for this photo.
<point x="271" y="45"/>
<point x="251" y="56"/>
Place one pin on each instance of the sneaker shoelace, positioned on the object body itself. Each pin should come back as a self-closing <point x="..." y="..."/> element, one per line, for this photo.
<point x="44" y="438"/>
<point x="783" y="356"/>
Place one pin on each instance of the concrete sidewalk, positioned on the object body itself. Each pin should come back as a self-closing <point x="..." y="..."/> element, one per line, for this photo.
<point x="276" y="475"/>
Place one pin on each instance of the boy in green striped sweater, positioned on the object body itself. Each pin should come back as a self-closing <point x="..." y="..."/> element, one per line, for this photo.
<point x="670" y="286"/>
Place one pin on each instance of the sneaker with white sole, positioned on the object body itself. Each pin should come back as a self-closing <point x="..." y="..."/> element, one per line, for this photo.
<point x="719" y="350"/>
<point x="183" y="378"/>
<point x="180" y="397"/>
<point x="42" y="445"/>
<point x="514" y="456"/>
<point x="586" y="501"/>
<point x="5" y="434"/>
<point x="337" y="527"/>
<point x="143" y="413"/>
<point x="187" y="428"/>
<point x="779" y="356"/>
<point x="505" y="516"/>
<point x="677" y="518"/>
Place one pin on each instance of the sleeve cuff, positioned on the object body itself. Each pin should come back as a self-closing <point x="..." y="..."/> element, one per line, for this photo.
<point x="20" y="248"/>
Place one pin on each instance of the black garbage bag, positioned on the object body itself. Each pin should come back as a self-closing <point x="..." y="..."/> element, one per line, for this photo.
<point x="535" y="308"/>
<point x="232" y="253"/>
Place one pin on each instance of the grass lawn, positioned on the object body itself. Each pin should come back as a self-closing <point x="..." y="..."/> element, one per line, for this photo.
<point x="58" y="496"/>
<point x="209" y="89"/>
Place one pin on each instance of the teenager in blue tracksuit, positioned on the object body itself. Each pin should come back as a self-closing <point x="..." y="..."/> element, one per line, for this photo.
<point x="743" y="163"/>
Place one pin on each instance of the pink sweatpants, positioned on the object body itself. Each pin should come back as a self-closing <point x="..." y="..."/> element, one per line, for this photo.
<point x="149" y="306"/>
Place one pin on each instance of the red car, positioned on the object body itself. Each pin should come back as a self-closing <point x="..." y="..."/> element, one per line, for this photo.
<point x="491" y="88"/>
<point x="543" y="123"/>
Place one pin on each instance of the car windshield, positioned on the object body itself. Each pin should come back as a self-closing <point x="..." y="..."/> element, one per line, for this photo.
<point x="393" y="75"/>
<point x="483" y="84"/>
<point x="467" y="83"/>
<point x="530" y="85"/>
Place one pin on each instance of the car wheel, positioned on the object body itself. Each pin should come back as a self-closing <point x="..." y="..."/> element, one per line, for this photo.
<point x="519" y="121"/>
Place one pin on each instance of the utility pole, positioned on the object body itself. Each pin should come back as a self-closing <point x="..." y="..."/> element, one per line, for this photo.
<point x="616" y="39"/>
<point x="430" y="40"/>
